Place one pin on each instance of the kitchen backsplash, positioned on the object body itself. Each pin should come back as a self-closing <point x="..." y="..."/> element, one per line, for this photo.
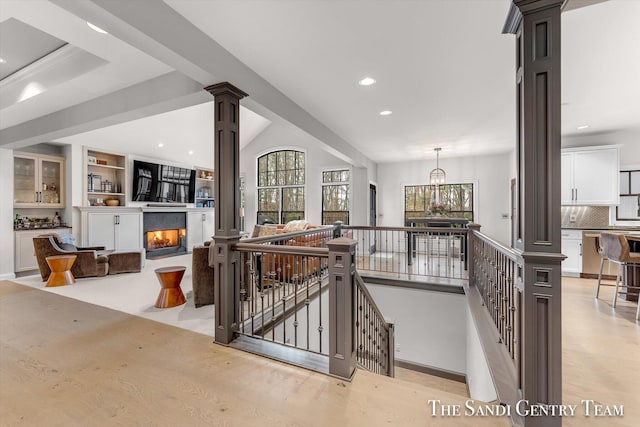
<point x="585" y="216"/>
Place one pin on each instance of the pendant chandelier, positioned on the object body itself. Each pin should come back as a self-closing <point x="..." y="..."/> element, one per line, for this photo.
<point x="437" y="176"/>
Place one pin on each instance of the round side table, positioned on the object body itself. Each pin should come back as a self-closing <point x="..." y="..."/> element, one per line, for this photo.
<point x="171" y="294"/>
<point x="60" y="266"/>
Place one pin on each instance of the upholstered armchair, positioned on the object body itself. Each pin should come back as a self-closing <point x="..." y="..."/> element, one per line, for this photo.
<point x="89" y="263"/>
<point x="201" y="275"/>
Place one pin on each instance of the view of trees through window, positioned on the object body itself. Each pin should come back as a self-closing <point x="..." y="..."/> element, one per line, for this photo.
<point x="281" y="178"/>
<point x="335" y="196"/>
<point x="457" y="200"/>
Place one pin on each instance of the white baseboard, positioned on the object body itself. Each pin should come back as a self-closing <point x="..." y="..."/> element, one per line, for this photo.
<point x="8" y="276"/>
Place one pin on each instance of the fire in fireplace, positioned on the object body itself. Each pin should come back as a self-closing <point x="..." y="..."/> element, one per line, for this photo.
<point x="161" y="239"/>
<point x="164" y="233"/>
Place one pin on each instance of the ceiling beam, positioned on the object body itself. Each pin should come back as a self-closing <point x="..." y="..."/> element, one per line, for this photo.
<point x="155" y="96"/>
<point x="158" y="30"/>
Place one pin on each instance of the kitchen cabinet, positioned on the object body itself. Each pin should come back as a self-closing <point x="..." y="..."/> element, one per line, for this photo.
<point x="572" y="249"/>
<point x="590" y="176"/>
<point x="200" y="225"/>
<point x="25" y="258"/>
<point x="38" y="181"/>
<point x="112" y="228"/>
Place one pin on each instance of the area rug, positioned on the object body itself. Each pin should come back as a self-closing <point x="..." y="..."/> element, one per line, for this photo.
<point x="136" y="294"/>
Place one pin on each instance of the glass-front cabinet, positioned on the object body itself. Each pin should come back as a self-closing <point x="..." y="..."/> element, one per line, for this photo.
<point x="38" y="181"/>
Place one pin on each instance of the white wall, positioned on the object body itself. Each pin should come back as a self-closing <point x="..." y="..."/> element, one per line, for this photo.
<point x="430" y="327"/>
<point x="277" y="137"/>
<point x="479" y="379"/>
<point x="490" y="175"/>
<point x="6" y="214"/>
<point x="628" y="139"/>
<point x="74" y="187"/>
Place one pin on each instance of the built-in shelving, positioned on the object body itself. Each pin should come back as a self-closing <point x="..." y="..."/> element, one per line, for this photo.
<point x="204" y="197"/>
<point x="106" y="178"/>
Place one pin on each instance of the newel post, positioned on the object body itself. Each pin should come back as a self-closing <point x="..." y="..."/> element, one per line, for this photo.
<point x="224" y="260"/>
<point x="471" y="251"/>
<point x="342" y="349"/>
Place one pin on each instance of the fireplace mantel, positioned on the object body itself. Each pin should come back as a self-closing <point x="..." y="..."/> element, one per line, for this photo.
<point x="141" y="209"/>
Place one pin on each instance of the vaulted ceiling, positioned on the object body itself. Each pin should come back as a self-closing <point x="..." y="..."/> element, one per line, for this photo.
<point x="442" y="67"/>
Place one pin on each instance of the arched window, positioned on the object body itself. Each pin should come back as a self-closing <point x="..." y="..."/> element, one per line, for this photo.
<point x="281" y="176"/>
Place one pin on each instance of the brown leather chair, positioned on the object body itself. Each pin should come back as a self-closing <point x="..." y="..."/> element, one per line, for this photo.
<point x="89" y="262"/>
<point x="615" y="248"/>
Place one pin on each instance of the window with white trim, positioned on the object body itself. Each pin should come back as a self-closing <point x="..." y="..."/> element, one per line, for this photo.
<point x="456" y="199"/>
<point x="281" y="178"/>
<point x="335" y="196"/>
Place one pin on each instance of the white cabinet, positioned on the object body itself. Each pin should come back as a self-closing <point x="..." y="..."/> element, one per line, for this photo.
<point x="25" y="258"/>
<point x="38" y="181"/>
<point x="113" y="229"/>
<point x="200" y="225"/>
<point x="590" y="176"/>
<point x="572" y="249"/>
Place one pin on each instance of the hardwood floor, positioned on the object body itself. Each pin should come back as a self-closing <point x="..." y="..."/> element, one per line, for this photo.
<point x="66" y="362"/>
<point x="600" y="351"/>
<point x="431" y="381"/>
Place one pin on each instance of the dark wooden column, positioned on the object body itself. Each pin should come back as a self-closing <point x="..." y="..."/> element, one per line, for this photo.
<point x="226" y="262"/>
<point x="536" y="24"/>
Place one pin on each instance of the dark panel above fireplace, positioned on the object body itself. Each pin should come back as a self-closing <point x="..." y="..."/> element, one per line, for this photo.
<point x="163" y="221"/>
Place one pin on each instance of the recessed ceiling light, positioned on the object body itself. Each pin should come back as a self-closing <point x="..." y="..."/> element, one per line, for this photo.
<point x="385" y="112"/>
<point x="190" y="151"/>
<point x="31" y="90"/>
<point x="367" y="81"/>
<point x="96" y="28"/>
<point x="583" y="127"/>
<point x="3" y="61"/>
<point x="161" y="145"/>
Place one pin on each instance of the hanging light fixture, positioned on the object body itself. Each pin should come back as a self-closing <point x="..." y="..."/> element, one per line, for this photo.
<point x="437" y="176"/>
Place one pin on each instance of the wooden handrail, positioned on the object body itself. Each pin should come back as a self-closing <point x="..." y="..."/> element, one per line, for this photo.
<point x="505" y="250"/>
<point x="281" y="249"/>
<point x="363" y="288"/>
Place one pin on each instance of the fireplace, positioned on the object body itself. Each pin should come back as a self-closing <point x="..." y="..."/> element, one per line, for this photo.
<point x="165" y="234"/>
<point x="162" y="239"/>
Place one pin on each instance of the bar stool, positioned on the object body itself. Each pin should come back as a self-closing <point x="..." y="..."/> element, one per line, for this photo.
<point x="616" y="249"/>
<point x="600" y="248"/>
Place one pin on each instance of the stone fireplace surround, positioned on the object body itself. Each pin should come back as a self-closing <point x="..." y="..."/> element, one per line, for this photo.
<point x="154" y="221"/>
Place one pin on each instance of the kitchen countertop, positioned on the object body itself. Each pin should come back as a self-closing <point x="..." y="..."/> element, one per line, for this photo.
<point x="604" y="228"/>
<point x="42" y="228"/>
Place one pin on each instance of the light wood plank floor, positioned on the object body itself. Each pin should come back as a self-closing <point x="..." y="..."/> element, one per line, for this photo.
<point x="601" y="352"/>
<point x="65" y="362"/>
<point x="70" y="363"/>
<point x="431" y="381"/>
